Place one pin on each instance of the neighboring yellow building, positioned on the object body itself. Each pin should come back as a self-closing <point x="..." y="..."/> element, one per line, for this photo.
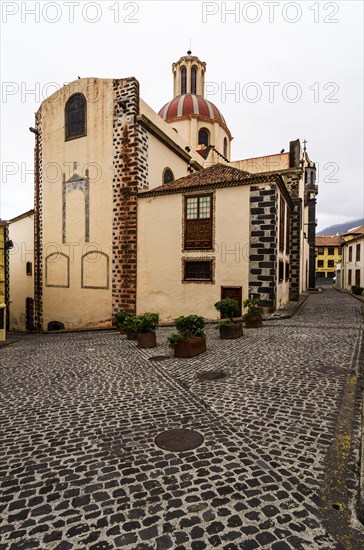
<point x="3" y="281"/>
<point x="328" y="254"/>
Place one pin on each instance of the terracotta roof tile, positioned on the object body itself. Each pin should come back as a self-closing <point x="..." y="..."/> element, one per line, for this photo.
<point x="217" y="173"/>
<point x="329" y="240"/>
<point x="356" y="230"/>
<point x="217" y="176"/>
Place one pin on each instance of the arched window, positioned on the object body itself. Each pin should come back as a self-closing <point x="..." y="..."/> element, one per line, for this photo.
<point x="225" y="147"/>
<point x="183" y="80"/>
<point x="204" y="137"/>
<point x="168" y="175"/>
<point x="75" y="115"/>
<point x="193" y="80"/>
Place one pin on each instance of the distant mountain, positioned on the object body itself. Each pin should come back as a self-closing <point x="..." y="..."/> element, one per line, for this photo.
<point x="340" y="228"/>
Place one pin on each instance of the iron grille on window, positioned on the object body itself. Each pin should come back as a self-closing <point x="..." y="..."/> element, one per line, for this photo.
<point x="198" y="222"/>
<point x="198" y="271"/>
<point x="75" y="116"/>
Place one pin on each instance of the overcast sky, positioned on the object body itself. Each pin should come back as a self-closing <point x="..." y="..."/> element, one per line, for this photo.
<point x="295" y="70"/>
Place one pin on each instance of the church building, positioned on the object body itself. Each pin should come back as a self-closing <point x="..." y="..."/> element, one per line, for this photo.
<point x="143" y="211"/>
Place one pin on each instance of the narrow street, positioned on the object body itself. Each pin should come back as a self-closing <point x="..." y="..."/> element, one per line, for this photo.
<point x="278" y="467"/>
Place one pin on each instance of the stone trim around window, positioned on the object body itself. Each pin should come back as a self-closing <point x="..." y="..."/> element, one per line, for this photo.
<point x="185" y="196"/>
<point x="198" y="259"/>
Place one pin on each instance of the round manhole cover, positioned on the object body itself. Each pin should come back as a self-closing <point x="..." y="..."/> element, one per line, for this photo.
<point x="211" y="375"/>
<point x="159" y="357"/>
<point x="179" y="440"/>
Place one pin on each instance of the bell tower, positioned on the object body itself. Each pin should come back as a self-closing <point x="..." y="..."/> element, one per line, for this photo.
<point x="189" y="76"/>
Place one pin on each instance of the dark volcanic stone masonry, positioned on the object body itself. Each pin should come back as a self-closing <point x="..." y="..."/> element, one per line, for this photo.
<point x="80" y="412"/>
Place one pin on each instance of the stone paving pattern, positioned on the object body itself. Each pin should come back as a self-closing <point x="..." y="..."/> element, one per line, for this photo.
<point x="80" y="411"/>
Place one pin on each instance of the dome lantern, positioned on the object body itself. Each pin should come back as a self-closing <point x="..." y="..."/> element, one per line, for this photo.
<point x="189" y="75"/>
<point x="197" y="120"/>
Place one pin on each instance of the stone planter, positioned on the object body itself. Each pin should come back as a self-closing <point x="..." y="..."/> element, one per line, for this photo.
<point x="147" y="340"/>
<point x="253" y="322"/>
<point x="230" y="332"/>
<point x="191" y="347"/>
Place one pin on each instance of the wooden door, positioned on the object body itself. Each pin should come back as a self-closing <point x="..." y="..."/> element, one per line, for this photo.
<point x="234" y="292"/>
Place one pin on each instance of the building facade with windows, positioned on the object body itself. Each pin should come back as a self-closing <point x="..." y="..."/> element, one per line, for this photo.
<point x="328" y="255"/>
<point x="112" y="193"/>
<point x="352" y="264"/>
<point x="21" y="268"/>
<point x="217" y="233"/>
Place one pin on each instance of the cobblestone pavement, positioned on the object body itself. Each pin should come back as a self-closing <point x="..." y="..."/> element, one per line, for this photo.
<point x="79" y="414"/>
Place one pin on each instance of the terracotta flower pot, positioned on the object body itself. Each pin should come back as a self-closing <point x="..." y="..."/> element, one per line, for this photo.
<point x="191" y="347"/>
<point x="147" y="340"/>
<point x="131" y="335"/>
<point x="230" y="332"/>
<point x="253" y="322"/>
<point x="121" y="329"/>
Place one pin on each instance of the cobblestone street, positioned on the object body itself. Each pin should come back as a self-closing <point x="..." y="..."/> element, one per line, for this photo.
<point x="80" y="412"/>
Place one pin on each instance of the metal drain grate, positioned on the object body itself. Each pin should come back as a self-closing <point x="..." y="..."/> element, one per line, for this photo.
<point x="179" y="440"/>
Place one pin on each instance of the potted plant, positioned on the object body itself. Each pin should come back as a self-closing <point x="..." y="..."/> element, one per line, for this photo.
<point x="146" y="325"/>
<point x="253" y="317"/>
<point x="130" y="327"/>
<point x="357" y="290"/>
<point x="190" y="340"/>
<point x="119" y="319"/>
<point x="229" y="329"/>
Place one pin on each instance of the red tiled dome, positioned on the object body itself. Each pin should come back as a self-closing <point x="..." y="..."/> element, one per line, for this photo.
<point x="191" y="104"/>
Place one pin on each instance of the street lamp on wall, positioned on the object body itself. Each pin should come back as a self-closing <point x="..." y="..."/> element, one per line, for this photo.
<point x="8" y="245"/>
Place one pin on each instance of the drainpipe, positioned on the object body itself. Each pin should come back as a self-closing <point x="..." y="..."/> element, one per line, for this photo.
<point x="37" y="278"/>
